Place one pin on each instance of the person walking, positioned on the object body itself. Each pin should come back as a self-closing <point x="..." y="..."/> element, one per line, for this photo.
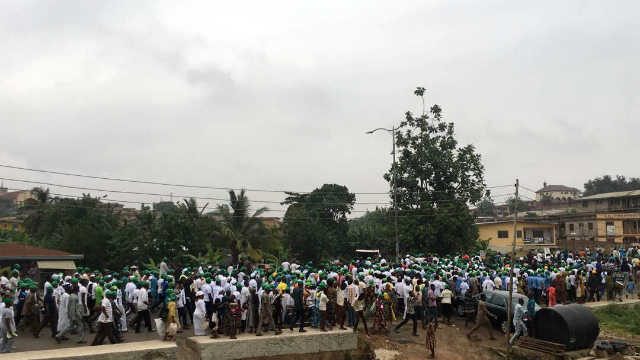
<point x="266" y="312"/>
<point x="76" y="321"/>
<point x="470" y="306"/>
<point x="7" y="326"/>
<point x="105" y="320"/>
<point x="410" y="314"/>
<point x="518" y="321"/>
<point x="483" y="318"/>
<point x="432" y="305"/>
<point x="298" y="295"/>
<point x="322" y="306"/>
<point x="358" y="308"/>
<point x="253" y="308"/>
<point x="142" y="308"/>
<point x="199" y="315"/>
<point x="31" y="311"/>
<point x="341" y="305"/>
<point x="447" y="304"/>
<point x="50" y="313"/>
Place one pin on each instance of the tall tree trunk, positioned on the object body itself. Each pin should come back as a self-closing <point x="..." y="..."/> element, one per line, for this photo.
<point x="235" y="253"/>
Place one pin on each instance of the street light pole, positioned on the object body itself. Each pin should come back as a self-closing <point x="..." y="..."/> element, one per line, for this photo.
<point x="392" y="131"/>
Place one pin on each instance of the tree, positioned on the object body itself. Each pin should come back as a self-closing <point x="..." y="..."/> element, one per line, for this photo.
<point x="516" y="205"/>
<point x="107" y="239"/>
<point x="436" y="181"/>
<point x="373" y="230"/>
<point x="486" y="207"/>
<point x="315" y="224"/>
<point x="41" y="195"/>
<point x="237" y="227"/>
<point x="606" y="184"/>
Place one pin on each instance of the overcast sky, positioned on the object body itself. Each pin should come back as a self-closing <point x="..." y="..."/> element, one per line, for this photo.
<point x="278" y="95"/>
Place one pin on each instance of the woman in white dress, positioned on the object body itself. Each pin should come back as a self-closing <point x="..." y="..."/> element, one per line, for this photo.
<point x="63" y="312"/>
<point x="199" y="316"/>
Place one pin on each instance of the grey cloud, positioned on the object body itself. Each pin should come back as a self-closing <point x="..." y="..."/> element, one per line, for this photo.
<point x="280" y="96"/>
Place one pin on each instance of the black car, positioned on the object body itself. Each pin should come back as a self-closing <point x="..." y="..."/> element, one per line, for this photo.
<point x="497" y="305"/>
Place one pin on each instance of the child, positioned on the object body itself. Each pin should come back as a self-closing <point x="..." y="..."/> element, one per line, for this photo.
<point x="631" y="287"/>
<point x="171" y="322"/>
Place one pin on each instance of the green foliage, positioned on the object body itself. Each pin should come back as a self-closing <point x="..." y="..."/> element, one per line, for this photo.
<point x="436" y="181"/>
<point x="6" y="207"/>
<point x="14" y="236"/>
<point x="242" y="232"/>
<point x="607" y="183"/>
<point x="518" y="205"/>
<point x="374" y="230"/>
<point x="622" y="320"/>
<point x="108" y="240"/>
<point x="315" y="224"/>
<point x="486" y="207"/>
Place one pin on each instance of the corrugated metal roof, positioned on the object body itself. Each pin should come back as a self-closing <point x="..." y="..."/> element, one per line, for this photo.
<point x="610" y="195"/>
<point x="557" y="188"/>
<point x="24" y="250"/>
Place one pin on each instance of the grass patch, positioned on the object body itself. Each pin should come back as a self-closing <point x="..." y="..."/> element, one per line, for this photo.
<point x="620" y="319"/>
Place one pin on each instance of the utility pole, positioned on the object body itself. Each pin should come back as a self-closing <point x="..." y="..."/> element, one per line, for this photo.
<point x="393" y="187"/>
<point x="395" y="198"/>
<point x="513" y="259"/>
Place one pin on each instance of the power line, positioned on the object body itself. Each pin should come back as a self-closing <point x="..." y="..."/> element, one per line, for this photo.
<point x="148" y="182"/>
<point x="406" y="213"/>
<point x="528" y="189"/>
<point x="155" y="194"/>
<point x="198" y="197"/>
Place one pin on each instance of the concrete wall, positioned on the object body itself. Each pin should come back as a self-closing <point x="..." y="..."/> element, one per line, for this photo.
<point x="141" y="350"/>
<point x="311" y="345"/>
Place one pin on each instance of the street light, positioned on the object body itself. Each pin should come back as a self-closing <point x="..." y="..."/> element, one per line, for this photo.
<point x="392" y="131"/>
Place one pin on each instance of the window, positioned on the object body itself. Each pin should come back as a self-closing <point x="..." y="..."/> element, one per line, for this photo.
<point x="590" y="226"/>
<point x="503" y="234"/>
<point x="611" y="228"/>
<point x="519" y="234"/>
<point x="585" y="204"/>
<point x="538" y="234"/>
<point x="572" y="228"/>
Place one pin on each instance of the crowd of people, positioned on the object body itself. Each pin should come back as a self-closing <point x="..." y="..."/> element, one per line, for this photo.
<point x="363" y="294"/>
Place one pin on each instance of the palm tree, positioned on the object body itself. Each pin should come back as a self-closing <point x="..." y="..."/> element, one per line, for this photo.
<point x="237" y="227"/>
<point x="41" y="195"/>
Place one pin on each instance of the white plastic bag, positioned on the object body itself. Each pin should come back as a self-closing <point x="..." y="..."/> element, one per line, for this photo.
<point x="159" y="327"/>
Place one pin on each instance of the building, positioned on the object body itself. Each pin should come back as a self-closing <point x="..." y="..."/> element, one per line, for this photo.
<point x="601" y="220"/>
<point x="529" y="234"/>
<point x="271" y="222"/>
<point x="39" y="263"/>
<point x="17" y="198"/>
<point x="612" y="201"/>
<point x="11" y="223"/>
<point x="618" y="227"/>
<point x="557" y="192"/>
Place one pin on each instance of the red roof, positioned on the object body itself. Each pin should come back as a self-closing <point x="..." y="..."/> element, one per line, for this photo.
<point x="24" y="250"/>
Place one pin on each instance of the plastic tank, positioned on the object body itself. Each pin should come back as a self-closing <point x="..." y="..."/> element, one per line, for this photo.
<point x="572" y="325"/>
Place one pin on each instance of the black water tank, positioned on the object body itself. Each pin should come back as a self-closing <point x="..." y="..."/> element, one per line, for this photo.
<point x="572" y="325"/>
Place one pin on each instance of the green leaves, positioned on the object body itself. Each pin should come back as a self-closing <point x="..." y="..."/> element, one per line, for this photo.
<point x="315" y="224"/>
<point x="238" y="229"/>
<point x="436" y="181"/>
